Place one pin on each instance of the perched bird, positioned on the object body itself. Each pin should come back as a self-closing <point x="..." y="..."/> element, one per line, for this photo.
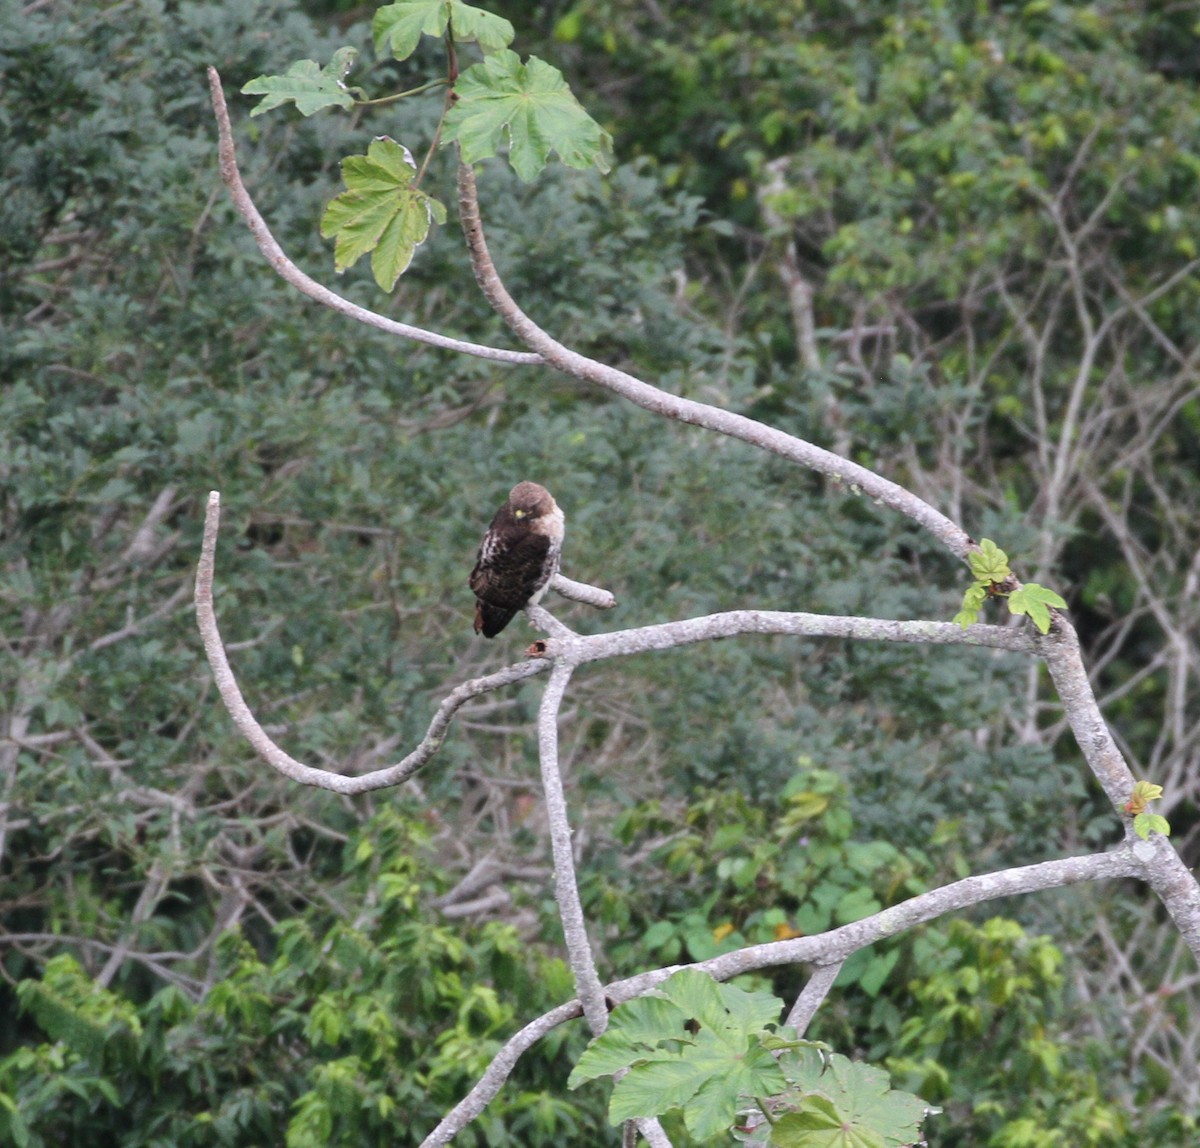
<point x="517" y="557"/>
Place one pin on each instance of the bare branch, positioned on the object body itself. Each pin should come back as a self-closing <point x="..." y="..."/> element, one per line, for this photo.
<point x="563" y="644"/>
<point x="668" y="635"/>
<point x="660" y="402"/>
<point x="566" y="888"/>
<point x="287" y="270"/>
<point x="838" y="944"/>
<point x="143" y="545"/>
<point x="128" y="631"/>
<point x="1165" y="872"/>
<point x="498" y="1071"/>
<point x="231" y="695"/>
<point x="653" y="1132"/>
<point x="799" y="289"/>
<point x="582" y="592"/>
<point x="827" y="950"/>
<point x="815" y="990"/>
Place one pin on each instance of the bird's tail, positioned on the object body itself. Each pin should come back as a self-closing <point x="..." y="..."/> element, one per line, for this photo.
<point x="491" y="619"/>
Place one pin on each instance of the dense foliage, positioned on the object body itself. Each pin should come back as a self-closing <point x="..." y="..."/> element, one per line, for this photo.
<point x="195" y="952"/>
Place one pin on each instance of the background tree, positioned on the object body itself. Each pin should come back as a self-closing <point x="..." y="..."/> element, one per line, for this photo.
<point x="139" y="372"/>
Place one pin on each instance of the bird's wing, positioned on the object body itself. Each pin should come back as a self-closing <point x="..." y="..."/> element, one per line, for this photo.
<point x="511" y="567"/>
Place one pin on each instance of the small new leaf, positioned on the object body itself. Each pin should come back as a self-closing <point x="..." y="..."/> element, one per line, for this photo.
<point x="398" y="28"/>
<point x="1035" y="601"/>
<point x="309" y="86"/>
<point x="972" y="603"/>
<point x="1147" y="790"/>
<point x="989" y="563"/>
<point x="1146" y="823"/>
<point x="380" y="212"/>
<point x="530" y="107"/>
<point x="1143" y="793"/>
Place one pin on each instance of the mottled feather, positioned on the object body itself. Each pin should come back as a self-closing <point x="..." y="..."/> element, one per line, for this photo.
<point x="517" y="557"/>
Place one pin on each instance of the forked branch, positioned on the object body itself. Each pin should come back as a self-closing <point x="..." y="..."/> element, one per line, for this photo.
<point x="1155" y="862"/>
<point x="564" y="648"/>
<point x="825" y="950"/>
<point x="306" y="285"/>
<point x="246" y="722"/>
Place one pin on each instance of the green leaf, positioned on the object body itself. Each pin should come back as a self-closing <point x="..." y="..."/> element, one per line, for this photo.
<point x="309" y="86"/>
<point x="651" y="1088"/>
<point x="989" y="563"/>
<point x="1147" y="790"/>
<point x="635" y="1031"/>
<point x="531" y="107"/>
<point x="380" y="212"/>
<point x="848" y="1105"/>
<point x="878" y="971"/>
<point x="972" y="603"/>
<point x="818" y="1124"/>
<point x="694" y="1045"/>
<point x="398" y="28"/>
<point x="1146" y="823"/>
<point x="1035" y="601"/>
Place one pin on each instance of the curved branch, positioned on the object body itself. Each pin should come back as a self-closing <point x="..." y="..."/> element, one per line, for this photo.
<point x="687" y="410"/>
<point x="287" y="270"/>
<point x="231" y="695"/>
<point x="840" y="943"/>
<point x="1165" y="871"/>
<point x="564" y="646"/>
<point x="828" y="950"/>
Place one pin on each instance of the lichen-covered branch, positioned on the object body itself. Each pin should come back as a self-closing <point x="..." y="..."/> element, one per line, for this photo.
<point x="670" y="635"/>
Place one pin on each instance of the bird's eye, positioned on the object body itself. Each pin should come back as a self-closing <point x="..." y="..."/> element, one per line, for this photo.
<point x="520" y="513"/>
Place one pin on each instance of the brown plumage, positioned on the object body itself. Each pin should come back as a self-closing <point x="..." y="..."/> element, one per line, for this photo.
<point x="517" y="557"/>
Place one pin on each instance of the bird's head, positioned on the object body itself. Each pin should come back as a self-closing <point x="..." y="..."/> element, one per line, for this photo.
<point x="529" y="501"/>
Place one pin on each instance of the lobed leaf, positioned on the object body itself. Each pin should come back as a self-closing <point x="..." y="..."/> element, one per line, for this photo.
<point x="849" y="1105"/>
<point x="1146" y="823"/>
<point x="309" y="86"/>
<point x="530" y="107"/>
<point x="695" y="1045"/>
<point x="380" y="212"/>
<point x="989" y="563"/>
<point x="398" y="28"/>
<point x="1035" y="601"/>
<point x="972" y="603"/>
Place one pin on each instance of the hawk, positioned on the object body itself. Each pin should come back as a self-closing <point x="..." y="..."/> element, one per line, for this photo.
<point x="517" y="557"/>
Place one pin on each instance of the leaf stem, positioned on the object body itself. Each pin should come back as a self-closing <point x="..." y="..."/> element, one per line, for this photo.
<point x="451" y="76"/>
<point x="381" y="100"/>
